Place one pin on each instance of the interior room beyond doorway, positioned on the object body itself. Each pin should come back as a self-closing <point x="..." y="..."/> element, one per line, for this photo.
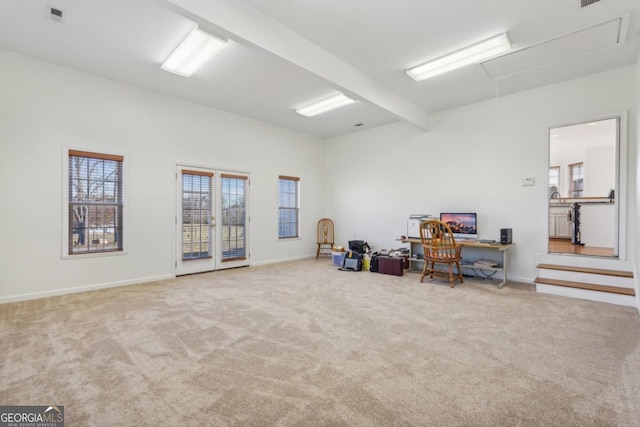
<point x="583" y="188"/>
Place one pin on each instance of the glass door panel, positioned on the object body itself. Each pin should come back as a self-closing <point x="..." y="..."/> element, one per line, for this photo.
<point x="195" y="221"/>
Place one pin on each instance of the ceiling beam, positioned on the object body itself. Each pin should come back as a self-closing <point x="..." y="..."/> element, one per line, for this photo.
<point x="252" y="26"/>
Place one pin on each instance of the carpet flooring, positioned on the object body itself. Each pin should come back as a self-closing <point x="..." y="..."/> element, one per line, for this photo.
<point x="303" y="344"/>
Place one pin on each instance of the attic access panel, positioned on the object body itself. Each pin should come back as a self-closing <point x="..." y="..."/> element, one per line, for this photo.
<point x="580" y="43"/>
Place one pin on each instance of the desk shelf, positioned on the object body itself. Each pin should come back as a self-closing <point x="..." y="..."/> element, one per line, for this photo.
<point x="484" y="267"/>
<point x="415" y="247"/>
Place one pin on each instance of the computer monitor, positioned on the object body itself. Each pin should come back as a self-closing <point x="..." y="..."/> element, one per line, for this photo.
<point x="463" y="225"/>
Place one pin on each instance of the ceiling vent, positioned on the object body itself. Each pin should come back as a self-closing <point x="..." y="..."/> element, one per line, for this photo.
<point x="54" y="13"/>
<point x="585" y="3"/>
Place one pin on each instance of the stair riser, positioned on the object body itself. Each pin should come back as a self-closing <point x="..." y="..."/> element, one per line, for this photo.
<point x="607" y="297"/>
<point x="596" y="279"/>
<point x="583" y="261"/>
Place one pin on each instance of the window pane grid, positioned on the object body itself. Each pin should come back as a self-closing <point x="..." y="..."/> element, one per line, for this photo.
<point x="95" y="207"/>
<point x="577" y="179"/>
<point x="288" y="218"/>
<point x="196" y="216"/>
<point x="233" y="217"/>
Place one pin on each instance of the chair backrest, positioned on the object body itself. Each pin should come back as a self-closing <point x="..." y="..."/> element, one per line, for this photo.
<point x="325" y="232"/>
<point x="438" y="241"/>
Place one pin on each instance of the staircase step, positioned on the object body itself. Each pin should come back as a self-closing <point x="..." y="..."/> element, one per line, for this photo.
<point x="601" y="271"/>
<point x="587" y="286"/>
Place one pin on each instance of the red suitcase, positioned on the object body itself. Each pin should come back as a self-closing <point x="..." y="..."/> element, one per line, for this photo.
<point x="391" y="265"/>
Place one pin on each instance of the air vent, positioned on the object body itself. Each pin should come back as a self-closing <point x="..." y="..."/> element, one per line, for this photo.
<point x="585" y="3"/>
<point x="54" y="13"/>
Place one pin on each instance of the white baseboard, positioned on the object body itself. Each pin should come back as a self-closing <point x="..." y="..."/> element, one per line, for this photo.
<point x="277" y="261"/>
<point x="66" y="291"/>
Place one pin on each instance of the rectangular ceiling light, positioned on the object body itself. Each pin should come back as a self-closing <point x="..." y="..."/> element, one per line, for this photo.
<point x="324" y="105"/>
<point x="463" y="57"/>
<point x="194" y="51"/>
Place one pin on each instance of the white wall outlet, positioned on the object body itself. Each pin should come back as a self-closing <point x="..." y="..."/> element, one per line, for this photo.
<point x="528" y="181"/>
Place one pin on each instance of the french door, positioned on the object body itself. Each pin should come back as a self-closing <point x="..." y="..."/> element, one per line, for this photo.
<point x="212" y="220"/>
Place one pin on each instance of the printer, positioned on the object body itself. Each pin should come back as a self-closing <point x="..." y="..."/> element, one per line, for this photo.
<point x="413" y="224"/>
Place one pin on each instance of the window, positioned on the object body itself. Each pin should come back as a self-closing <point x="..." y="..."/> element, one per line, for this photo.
<point x="288" y="216"/>
<point x="554" y="181"/>
<point x="95" y="203"/>
<point x="576" y="172"/>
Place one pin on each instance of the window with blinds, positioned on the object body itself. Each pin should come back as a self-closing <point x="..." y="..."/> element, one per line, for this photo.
<point x="197" y="214"/>
<point x="576" y="171"/>
<point x="234" y="216"/>
<point x="95" y="202"/>
<point x="289" y="208"/>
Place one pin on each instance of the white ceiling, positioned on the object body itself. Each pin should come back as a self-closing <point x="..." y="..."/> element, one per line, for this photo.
<point x="578" y="137"/>
<point x="286" y="53"/>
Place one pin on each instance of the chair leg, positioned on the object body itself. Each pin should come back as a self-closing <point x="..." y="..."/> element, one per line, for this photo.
<point x="451" y="281"/>
<point x="318" y="252"/>
<point x="459" y="272"/>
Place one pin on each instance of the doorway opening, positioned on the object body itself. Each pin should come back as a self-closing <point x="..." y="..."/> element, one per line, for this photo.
<point x="584" y="187"/>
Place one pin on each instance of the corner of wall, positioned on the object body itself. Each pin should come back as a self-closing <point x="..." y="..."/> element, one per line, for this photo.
<point x="636" y="248"/>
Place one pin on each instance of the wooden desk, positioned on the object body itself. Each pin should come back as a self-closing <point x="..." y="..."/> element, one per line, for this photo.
<point x="503" y="249"/>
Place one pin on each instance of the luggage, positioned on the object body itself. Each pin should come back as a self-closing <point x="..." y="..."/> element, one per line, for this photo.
<point x="373" y="264"/>
<point x="391" y="265"/>
<point x="352" y="261"/>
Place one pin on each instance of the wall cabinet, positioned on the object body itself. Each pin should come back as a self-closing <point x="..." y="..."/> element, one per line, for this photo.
<point x="560" y="225"/>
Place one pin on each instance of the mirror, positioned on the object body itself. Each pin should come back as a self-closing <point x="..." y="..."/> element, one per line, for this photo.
<point x="583" y="177"/>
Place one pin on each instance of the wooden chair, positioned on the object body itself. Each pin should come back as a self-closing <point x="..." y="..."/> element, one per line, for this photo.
<point x="325" y="236"/>
<point x="440" y="248"/>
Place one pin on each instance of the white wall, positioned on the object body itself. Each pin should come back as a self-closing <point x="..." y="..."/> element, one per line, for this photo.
<point x="600" y="174"/>
<point x="635" y="154"/>
<point x="44" y="108"/>
<point x="473" y="159"/>
<point x="599" y="167"/>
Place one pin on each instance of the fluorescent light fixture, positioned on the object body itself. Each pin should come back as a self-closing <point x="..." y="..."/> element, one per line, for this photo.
<point x="319" y="107"/>
<point x="469" y="55"/>
<point x="194" y="51"/>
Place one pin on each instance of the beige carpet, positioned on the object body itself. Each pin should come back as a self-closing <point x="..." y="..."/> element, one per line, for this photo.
<point x="302" y="343"/>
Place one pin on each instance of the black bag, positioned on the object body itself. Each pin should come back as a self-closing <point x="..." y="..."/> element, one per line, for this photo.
<point x="352" y="261"/>
<point x="373" y="266"/>
<point x="359" y="246"/>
